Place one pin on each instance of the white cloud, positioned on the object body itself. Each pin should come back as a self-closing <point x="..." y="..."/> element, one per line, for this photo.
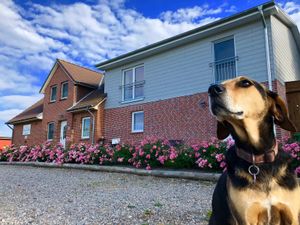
<point x="18" y="102"/>
<point x="293" y="9"/>
<point x="32" y="38"/>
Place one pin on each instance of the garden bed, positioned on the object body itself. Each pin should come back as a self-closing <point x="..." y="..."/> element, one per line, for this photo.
<point x="149" y="153"/>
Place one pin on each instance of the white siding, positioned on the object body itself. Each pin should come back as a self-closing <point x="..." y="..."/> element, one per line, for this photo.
<point x="185" y="70"/>
<point x="285" y="52"/>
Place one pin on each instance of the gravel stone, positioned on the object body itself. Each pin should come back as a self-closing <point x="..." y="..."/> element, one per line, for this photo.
<point x="32" y="195"/>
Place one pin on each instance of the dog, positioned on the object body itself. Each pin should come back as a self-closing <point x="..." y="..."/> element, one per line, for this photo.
<point x="259" y="186"/>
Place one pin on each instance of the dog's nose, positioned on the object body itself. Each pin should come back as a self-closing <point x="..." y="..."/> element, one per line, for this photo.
<point x="215" y="89"/>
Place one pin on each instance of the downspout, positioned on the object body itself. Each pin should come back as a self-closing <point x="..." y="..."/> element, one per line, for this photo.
<point x="267" y="49"/>
<point x="12" y="136"/>
<point x="93" y="124"/>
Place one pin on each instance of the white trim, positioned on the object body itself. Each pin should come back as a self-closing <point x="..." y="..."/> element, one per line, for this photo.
<point x="61" y="89"/>
<point x="82" y="126"/>
<point x="27" y="130"/>
<point x="133" y="84"/>
<point x="132" y="122"/>
<point x="134" y="100"/>
<point x="48" y="130"/>
<point x="54" y="86"/>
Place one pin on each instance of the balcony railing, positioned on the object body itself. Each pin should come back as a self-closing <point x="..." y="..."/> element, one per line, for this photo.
<point x="224" y="69"/>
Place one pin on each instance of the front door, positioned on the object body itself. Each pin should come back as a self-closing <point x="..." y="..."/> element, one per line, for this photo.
<point x="63" y="133"/>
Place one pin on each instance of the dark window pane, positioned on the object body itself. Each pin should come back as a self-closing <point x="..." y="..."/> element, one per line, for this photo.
<point x="64" y="90"/>
<point x="224" y="50"/>
<point x="128" y="95"/>
<point x="139" y="90"/>
<point x="138" y="123"/>
<point x="50" y="131"/>
<point x="128" y="77"/>
<point x="139" y="74"/>
<point x="53" y="94"/>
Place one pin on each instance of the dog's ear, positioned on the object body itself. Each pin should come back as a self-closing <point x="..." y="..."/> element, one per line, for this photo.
<point x="222" y="131"/>
<point x="280" y="112"/>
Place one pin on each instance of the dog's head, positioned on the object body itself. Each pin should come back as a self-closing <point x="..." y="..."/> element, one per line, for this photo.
<point x="244" y="104"/>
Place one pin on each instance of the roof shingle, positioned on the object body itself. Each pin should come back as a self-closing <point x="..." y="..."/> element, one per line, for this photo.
<point x="31" y="113"/>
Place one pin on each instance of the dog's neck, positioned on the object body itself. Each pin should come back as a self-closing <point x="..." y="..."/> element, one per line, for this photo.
<point x="254" y="136"/>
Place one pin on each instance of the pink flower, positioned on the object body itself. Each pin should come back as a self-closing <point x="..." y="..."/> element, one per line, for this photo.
<point x="297" y="171"/>
<point x="148" y="156"/>
<point x="148" y="167"/>
<point x="219" y="157"/>
<point x="120" y="159"/>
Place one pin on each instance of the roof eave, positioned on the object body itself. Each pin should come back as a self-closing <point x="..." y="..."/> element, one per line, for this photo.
<point x="12" y="122"/>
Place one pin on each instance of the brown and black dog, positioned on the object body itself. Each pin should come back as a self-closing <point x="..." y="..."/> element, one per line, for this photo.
<point x="259" y="186"/>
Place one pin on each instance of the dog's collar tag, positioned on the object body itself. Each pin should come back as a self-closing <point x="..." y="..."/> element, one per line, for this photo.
<point x="254" y="171"/>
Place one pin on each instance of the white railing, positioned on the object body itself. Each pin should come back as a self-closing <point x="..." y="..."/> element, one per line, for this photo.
<point x="224" y="69"/>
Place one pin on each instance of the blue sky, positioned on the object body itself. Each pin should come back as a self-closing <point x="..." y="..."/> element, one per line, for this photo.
<point x="35" y="33"/>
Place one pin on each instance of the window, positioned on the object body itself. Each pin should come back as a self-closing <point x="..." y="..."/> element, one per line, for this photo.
<point x="50" y="131"/>
<point x="137" y="122"/>
<point x="53" y="94"/>
<point x="133" y="84"/>
<point x="225" y="60"/>
<point x="64" y="90"/>
<point x="85" y="131"/>
<point x="26" y="129"/>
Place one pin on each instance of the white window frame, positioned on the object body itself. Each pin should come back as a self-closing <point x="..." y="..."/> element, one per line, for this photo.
<point x="82" y="126"/>
<point x="26" y="129"/>
<point x="133" y="84"/>
<point x="61" y="90"/>
<point x="133" y="120"/>
<point x="49" y="130"/>
<point x="219" y="40"/>
<point x="51" y="100"/>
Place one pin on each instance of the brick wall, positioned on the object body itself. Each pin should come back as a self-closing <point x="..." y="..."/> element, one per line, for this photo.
<point x="77" y="126"/>
<point x="56" y="111"/>
<point x="281" y="91"/>
<point x="33" y="138"/>
<point x="179" y="118"/>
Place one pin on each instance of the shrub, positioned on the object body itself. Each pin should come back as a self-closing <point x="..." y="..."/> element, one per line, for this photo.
<point x="149" y="153"/>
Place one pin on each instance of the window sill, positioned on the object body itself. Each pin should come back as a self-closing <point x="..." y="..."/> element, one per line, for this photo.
<point x="137" y="132"/>
<point x="62" y="99"/>
<point x="51" y="102"/>
<point x="134" y="100"/>
<point x="85" y="138"/>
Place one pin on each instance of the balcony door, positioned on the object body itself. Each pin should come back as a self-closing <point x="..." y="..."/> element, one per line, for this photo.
<point x="225" y="60"/>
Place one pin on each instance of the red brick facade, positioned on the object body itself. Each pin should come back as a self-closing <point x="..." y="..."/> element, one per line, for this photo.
<point x="181" y="118"/>
<point x="35" y="136"/>
<point x="56" y="112"/>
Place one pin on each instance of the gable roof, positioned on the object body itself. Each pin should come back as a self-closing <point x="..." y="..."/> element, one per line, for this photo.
<point x="91" y="100"/>
<point x="252" y="14"/>
<point x="78" y="75"/>
<point x="34" y="112"/>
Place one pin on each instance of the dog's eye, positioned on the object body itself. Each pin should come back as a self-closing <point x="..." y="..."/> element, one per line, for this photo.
<point x="245" y="83"/>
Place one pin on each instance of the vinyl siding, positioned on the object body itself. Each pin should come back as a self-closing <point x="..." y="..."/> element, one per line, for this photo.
<point x="286" y="57"/>
<point x="185" y="70"/>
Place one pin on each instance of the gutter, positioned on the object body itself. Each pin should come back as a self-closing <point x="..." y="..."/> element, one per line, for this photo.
<point x="93" y="124"/>
<point x="267" y="48"/>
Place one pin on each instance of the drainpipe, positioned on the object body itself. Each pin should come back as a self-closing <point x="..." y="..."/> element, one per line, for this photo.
<point x="93" y="124"/>
<point x="260" y="9"/>
<point x="12" y="136"/>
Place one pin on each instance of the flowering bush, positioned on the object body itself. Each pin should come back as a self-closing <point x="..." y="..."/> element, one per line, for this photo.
<point x="150" y="152"/>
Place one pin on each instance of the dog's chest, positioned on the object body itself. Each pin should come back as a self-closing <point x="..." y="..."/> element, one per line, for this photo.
<point x="254" y="206"/>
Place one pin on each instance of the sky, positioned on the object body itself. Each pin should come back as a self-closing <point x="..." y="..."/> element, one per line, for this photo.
<point x="35" y="33"/>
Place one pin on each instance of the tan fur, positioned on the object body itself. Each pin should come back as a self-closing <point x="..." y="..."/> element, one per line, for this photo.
<point x="251" y="205"/>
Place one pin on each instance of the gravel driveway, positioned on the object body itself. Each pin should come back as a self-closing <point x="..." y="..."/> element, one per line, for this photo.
<point x="30" y="195"/>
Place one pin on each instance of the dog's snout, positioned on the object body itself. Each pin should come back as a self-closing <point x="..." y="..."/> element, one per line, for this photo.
<point x="216" y="89"/>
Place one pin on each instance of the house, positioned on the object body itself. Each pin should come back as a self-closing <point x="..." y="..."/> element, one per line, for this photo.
<point x="72" y="108"/>
<point x="4" y="141"/>
<point x="161" y="89"/>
